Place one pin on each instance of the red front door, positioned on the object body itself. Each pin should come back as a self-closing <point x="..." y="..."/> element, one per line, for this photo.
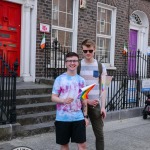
<point x="10" y="25"/>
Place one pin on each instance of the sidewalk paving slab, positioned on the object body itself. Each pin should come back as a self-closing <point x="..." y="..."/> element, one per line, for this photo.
<point x="127" y="134"/>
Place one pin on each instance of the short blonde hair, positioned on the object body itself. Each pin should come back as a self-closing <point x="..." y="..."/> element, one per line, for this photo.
<point x="88" y="43"/>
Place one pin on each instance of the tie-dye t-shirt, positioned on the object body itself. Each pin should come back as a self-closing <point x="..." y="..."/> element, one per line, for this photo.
<point x="68" y="86"/>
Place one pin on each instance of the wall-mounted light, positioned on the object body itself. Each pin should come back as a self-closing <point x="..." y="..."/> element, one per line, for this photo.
<point x="82" y="4"/>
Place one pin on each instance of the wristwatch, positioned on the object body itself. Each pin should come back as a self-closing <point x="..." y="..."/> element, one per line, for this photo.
<point x="86" y="116"/>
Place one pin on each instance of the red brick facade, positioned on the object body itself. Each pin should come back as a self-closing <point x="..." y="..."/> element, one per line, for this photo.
<point x="87" y="25"/>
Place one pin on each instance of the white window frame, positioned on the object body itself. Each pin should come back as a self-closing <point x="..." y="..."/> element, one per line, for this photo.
<point x="113" y="32"/>
<point x="74" y="25"/>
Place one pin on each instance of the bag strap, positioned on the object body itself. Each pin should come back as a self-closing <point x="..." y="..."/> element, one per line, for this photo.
<point x="100" y="68"/>
<point x="79" y="68"/>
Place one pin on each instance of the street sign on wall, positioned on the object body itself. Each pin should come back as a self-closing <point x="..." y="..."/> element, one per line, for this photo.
<point x="146" y="85"/>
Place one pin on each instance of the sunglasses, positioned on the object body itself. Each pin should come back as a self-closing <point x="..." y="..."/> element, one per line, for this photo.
<point x="85" y="51"/>
<point x="74" y="61"/>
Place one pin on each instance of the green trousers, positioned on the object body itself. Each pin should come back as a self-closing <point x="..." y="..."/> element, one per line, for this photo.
<point x="97" y="125"/>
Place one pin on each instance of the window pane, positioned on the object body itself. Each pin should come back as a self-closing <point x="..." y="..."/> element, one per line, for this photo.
<point x="68" y="39"/>
<point x="55" y="13"/>
<point x="109" y="14"/>
<point x="62" y="19"/>
<point x="98" y="27"/>
<point x="55" y="2"/>
<point x="54" y="34"/>
<point x="61" y="37"/>
<point x="62" y="22"/>
<point x="55" y="18"/>
<point x="104" y="21"/>
<point x="62" y="5"/>
<point x="102" y="26"/>
<point x="103" y="15"/>
<point x="103" y="50"/>
<point x="69" y="21"/>
<point x="108" y="29"/>
<point x="70" y="6"/>
<point x="65" y="38"/>
<point x="98" y="15"/>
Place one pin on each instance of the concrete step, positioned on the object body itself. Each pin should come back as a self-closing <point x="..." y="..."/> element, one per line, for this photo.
<point x="39" y="128"/>
<point x="44" y="81"/>
<point x="30" y="99"/>
<point x="36" y="118"/>
<point x="35" y="108"/>
<point x="23" y="88"/>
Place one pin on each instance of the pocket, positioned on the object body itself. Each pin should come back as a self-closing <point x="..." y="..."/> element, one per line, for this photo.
<point x="94" y="113"/>
<point x="95" y="73"/>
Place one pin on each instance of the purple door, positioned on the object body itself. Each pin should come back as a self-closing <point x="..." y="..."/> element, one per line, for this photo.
<point x="132" y="53"/>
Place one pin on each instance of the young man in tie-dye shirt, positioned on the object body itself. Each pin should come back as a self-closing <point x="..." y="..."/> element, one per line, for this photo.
<point x="71" y="112"/>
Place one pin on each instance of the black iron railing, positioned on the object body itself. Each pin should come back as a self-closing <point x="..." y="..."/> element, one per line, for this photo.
<point x="7" y="92"/>
<point x="125" y="88"/>
<point x="54" y="59"/>
<point x="124" y="91"/>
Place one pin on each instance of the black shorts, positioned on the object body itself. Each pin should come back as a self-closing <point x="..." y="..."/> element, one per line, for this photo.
<point x="75" y="130"/>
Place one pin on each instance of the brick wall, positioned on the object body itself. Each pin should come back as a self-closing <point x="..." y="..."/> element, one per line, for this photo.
<point x="87" y="25"/>
<point x="43" y="16"/>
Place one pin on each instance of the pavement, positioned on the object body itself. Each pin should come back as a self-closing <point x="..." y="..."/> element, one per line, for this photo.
<point x="126" y="134"/>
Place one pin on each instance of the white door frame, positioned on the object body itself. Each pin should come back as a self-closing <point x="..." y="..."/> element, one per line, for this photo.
<point x="143" y="30"/>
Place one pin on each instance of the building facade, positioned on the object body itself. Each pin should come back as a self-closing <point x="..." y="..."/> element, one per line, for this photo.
<point x="113" y="25"/>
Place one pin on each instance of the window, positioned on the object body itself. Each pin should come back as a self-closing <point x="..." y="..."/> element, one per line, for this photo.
<point x="105" y="37"/>
<point x="64" y="26"/>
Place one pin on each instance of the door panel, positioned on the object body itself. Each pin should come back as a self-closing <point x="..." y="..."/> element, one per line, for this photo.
<point x="132" y="53"/>
<point x="10" y="27"/>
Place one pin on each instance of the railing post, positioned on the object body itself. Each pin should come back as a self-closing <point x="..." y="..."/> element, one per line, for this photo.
<point x="13" y="107"/>
<point x="137" y="79"/>
<point x="124" y="92"/>
<point x="55" y="49"/>
<point x="45" y="71"/>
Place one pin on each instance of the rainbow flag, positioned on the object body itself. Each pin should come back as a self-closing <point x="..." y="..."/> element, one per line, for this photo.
<point x="84" y="92"/>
